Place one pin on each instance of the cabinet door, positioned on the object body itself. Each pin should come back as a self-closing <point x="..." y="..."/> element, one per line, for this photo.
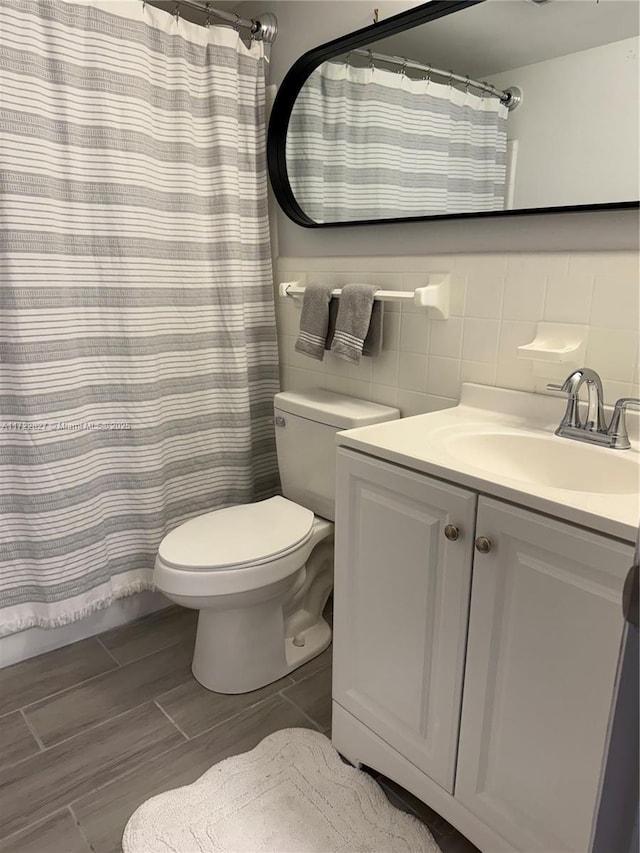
<point x="545" y="635"/>
<point x="401" y="606"/>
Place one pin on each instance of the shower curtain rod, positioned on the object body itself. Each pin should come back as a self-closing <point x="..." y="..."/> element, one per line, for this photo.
<point x="264" y="28"/>
<point x="509" y="97"/>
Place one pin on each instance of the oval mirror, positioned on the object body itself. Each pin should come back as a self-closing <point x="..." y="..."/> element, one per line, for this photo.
<point x="457" y="109"/>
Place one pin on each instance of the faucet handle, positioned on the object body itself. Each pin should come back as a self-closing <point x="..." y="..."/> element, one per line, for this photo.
<point x="618" y="427"/>
<point x="571" y="417"/>
<point x="628" y="403"/>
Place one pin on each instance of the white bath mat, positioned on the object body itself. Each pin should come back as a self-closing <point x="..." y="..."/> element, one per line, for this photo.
<point x="291" y="794"/>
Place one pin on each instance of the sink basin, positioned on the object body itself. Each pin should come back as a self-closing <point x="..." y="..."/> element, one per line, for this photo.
<point x="501" y="442"/>
<point x="544" y="460"/>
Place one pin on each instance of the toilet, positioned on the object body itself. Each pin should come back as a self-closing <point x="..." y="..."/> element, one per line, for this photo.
<point x="260" y="574"/>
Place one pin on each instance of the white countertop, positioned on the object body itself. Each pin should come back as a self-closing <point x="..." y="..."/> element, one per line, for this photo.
<point x="422" y="443"/>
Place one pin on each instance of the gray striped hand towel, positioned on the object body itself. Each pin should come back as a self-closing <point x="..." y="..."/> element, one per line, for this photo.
<point x="373" y="341"/>
<point x="314" y="320"/>
<point x="352" y="322"/>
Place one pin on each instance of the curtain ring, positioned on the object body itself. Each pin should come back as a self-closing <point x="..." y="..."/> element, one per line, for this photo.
<point x="177" y="12"/>
<point x="207" y="22"/>
<point x="450" y="78"/>
<point x="484" y="92"/>
<point x="144" y="5"/>
<point x="427" y="76"/>
<point x="347" y="58"/>
<point x="467" y="83"/>
<point x="403" y="70"/>
<point x="371" y="62"/>
<point x="237" y="21"/>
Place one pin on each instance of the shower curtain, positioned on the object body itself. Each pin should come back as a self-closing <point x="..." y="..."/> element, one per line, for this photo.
<point x="138" y="355"/>
<point x="367" y="143"/>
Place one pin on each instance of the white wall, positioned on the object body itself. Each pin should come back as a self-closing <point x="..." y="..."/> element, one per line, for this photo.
<point x="304" y="24"/>
<point x="497" y="301"/>
<point x="508" y="275"/>
<point x="571" y="118"/>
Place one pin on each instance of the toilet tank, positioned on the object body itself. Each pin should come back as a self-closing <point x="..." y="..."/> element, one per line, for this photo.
<point x="306" y="425"/>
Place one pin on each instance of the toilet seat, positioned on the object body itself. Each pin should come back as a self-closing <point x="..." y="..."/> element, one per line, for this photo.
<point x="238" y="537"/>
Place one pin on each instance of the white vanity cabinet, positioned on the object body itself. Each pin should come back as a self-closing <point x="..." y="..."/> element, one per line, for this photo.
<point x="401" y="607"/>
<point x="483" y="682"/>
<point x="545" y="634"/>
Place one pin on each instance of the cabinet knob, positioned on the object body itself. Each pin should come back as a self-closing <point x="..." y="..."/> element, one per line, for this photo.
<point x="451" y="532"/>
<point x="483" y="544"/>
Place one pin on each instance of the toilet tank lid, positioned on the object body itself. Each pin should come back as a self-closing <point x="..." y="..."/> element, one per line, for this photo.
<point x="336" y="410"/>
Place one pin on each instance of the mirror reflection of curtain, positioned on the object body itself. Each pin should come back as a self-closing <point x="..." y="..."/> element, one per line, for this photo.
<point x="366" y="143"/>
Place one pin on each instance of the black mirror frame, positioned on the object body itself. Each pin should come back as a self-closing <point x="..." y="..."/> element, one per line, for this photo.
<point x="308" y="62"/>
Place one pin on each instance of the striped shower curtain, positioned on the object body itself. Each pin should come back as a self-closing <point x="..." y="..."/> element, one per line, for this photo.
<point x="367" y="143"/>
<point x="138" y="356"/>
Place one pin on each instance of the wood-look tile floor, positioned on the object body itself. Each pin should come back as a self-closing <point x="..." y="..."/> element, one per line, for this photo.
<point x="90" y="731"/>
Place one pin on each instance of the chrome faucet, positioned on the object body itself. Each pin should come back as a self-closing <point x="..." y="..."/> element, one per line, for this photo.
<point x="593" y="428"/>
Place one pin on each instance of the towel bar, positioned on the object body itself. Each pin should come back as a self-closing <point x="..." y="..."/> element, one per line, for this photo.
<point x="434" y="295"/>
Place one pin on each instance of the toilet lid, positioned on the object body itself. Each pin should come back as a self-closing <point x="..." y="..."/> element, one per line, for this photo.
<point x="236" y="536"/>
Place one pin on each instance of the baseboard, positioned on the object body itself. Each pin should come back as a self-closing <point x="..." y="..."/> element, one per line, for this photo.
<point x="36" y="641"/>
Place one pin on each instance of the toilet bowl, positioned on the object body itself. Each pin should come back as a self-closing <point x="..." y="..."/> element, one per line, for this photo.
<point x="260" y="574"/>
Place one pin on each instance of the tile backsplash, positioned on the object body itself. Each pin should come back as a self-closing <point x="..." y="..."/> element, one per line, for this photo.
<point x="496" y="302"/>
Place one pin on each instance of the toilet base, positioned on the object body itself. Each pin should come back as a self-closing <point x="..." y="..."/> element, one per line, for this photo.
<point x="249" y="639"/>
<point x="317" y="638"/>
<point x="259" y="655"/>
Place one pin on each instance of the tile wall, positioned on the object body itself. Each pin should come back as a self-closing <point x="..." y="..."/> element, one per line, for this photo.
<point x="496" y="302"/>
